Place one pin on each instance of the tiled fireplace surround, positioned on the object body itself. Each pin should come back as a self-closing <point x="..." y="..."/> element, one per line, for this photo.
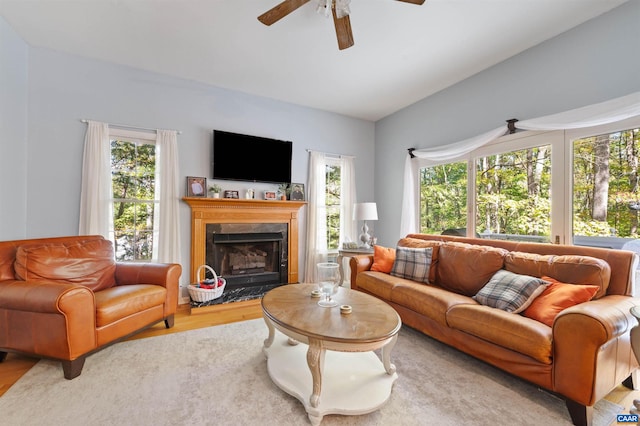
<point x="224" y="228"/>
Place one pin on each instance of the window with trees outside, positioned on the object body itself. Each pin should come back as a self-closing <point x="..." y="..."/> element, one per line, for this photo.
<point x="332" y="202"/>
<point x="574" y="187"/>
<point x="133" y="167"/>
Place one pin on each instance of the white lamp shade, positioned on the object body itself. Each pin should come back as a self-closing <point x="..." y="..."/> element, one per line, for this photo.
<point x="365" y="211"/>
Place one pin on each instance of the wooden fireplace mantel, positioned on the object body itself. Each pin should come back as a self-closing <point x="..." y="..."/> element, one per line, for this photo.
<point x="205" y="211"/>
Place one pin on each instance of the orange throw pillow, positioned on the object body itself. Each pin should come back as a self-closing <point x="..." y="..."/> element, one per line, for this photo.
<point x="383" y="258"/>
<point x="556" y="298"/>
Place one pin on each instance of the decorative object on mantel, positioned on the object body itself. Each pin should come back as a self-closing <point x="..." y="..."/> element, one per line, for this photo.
<point x="284" y="189"/>
<point x="270" y="195"/>
<point x="206" y="289"/>
<point x="365" y="212"/>
<point x="297" y="192"/>
<point x="231" y="194"/>
<point x="215" y="190"/>
<point x="196" y="186"/>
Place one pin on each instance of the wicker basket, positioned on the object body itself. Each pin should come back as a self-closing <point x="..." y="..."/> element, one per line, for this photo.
<point x="206" y="294"/>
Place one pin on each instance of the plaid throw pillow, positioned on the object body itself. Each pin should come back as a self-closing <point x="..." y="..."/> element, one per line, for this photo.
<point x="510" y="292"/>
<point x="412" y="263"/>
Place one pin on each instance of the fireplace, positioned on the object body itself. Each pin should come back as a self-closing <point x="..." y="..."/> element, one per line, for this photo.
<point x="248" y="254"/>
<point x="260" y="235"/>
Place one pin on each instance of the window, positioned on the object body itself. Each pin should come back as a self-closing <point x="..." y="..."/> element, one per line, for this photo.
<point x="134" y="204"/>
<point x="332" y="202"/>
<point x="443" y="198"/>
<point x="606" y="197"/>
<point x="517" y="185"/>
<point x="513" y="195"/>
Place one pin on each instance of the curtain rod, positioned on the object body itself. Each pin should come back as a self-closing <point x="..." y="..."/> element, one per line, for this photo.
<point x="332" y="155"/>
<point x="126" y="126"/>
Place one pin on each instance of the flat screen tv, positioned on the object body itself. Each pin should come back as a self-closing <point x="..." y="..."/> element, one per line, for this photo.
<point x="250" y="158"/>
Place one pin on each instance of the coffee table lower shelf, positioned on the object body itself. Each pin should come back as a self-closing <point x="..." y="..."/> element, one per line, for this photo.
<point x="353" y="383"/>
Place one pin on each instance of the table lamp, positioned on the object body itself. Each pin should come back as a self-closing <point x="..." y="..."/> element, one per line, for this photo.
<point x="365" y="212"/>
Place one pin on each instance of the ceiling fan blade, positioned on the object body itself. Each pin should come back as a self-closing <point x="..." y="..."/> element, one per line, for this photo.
<point x="413" y="1"/>
<point x="343" y="30"/>
<point x="280" y="11"/>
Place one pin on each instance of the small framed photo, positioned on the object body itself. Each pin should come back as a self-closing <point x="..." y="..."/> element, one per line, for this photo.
<point x="297" y="192"/>
<point x="270" y="195"/>
<point x="196" y="186"/>
<point x="231" y="194"/>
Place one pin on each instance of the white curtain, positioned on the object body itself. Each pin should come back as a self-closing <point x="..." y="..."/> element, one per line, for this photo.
<point x="95" y="195"/>
<point x="167" y="225"/>
<point x="592" y="115"/>
<point x="316" y="216"/>
<point x="348" y="226"/>
<point x="317" y="249"/>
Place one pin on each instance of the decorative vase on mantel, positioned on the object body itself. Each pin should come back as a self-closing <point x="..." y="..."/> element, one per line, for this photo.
<point x="215" y="191"/>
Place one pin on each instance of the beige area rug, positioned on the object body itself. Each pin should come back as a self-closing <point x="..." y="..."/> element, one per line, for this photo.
<point x="218" y="376"/>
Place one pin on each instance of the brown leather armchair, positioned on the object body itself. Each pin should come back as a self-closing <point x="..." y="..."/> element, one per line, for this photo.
<point x="66" y="298"/>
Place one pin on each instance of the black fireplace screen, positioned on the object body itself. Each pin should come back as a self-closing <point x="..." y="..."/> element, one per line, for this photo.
<point x="248" y="255"/>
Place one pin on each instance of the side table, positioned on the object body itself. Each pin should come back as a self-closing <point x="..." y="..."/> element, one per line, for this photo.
<point x="349" y="253"/>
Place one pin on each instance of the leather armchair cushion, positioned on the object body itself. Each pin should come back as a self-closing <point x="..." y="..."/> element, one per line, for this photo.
<point x="572" y="269"/>
<point x="120" y="302"/>
<point x="89" y="263"/>
<point x="466" y="268"/>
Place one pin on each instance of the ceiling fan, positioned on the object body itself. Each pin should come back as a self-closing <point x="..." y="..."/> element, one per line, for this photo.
<point x="338" y="8"/>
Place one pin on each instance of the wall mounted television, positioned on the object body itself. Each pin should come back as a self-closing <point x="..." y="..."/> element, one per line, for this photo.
<point x="250" y="158"/>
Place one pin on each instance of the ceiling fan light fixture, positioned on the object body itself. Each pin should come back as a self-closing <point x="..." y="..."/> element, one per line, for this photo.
<point x="338" y="9"/>
<point x="324" y="7"/>
<point x="341" y="6"/>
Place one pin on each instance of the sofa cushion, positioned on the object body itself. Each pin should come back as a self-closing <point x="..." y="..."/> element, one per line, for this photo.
<point x="412" y="263"/>
<point x="377" y="283"/>
<point x="557" y="297"/>
<point x="466" y="268"/>
<point x="566" y="268"/>
<point x="515" y="332"/>
<point x="119" y="302"/>
<point x="510" y="292"/>
<point x="89" y="263"/>
<point x="383" y="258"/>
<point x="430" y="301"/>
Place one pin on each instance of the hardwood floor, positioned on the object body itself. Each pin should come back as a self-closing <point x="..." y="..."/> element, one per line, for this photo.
<point x="186" y="318"/>
<point x="15" y="365"/>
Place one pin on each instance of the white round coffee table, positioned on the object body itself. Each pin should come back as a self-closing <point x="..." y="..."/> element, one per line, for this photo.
<point x="355" y="381"/>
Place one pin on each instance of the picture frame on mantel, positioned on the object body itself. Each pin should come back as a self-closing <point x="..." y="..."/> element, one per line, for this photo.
<point x="196" y="186"/>
<point x="297" y="192"/>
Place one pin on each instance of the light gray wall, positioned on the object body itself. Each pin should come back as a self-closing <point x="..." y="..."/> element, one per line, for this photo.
<point x="14" y="61"/>
<point x="593" y="62"/>
<point x="64" y="89"/>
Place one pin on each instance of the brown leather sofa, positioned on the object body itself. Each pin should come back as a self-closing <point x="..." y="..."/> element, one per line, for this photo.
<point x="65" y="298"/>
<point x="582" y="357"/>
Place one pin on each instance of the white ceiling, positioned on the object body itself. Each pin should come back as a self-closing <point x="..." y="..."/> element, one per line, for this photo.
<point x="402" y="52"/>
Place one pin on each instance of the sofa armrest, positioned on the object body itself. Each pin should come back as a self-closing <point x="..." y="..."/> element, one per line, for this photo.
<point x="357" y="264"/>
<point x="588" y="356"/>
<point x="166" y="275"/>
<point x="42" y="296"/>
<point x="38" y="313"/>
<point x="163" y="274"/>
